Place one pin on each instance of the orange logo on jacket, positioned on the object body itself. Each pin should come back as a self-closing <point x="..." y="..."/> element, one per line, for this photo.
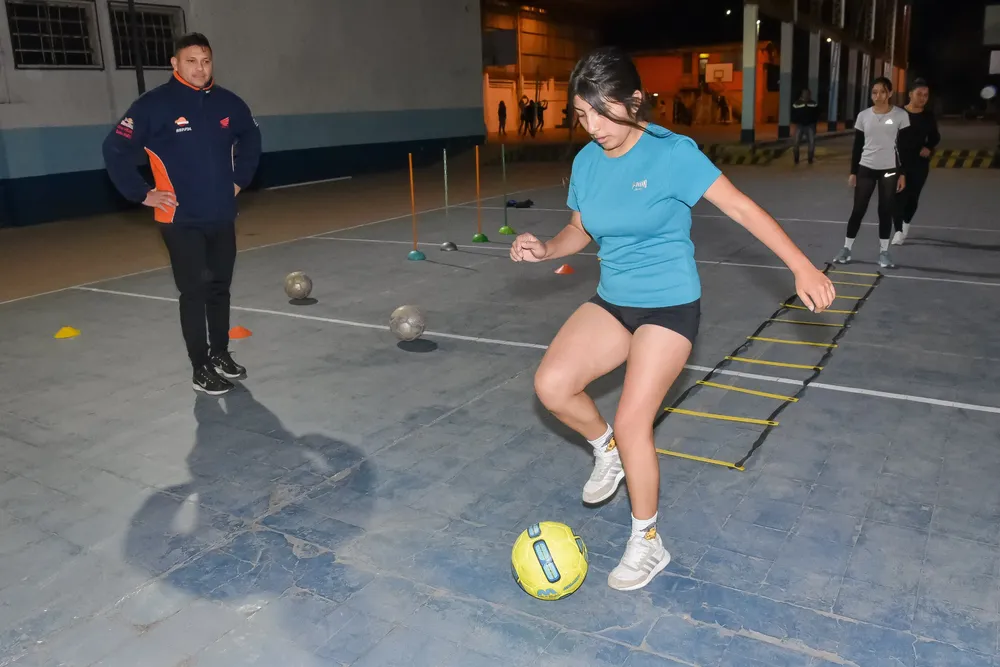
<point x="182" y="121"/>
<point x="224" y="122"/>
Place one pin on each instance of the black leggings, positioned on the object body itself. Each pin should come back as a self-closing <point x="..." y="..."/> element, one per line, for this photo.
<point x="907" y="200"/>
<point x="869" y="179"/>
<point x="202" y="259"/>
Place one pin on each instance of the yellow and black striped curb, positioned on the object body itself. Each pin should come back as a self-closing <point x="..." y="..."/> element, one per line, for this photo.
<point x="963" y="159"/>
<point x="736" y="155"/>
<point x="739" y="155"/>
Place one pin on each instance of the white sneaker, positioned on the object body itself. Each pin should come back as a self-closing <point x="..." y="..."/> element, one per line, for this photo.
<point x="645" y="557"/>
<point x="898" y="238"/>
<point x="606" y="476"/>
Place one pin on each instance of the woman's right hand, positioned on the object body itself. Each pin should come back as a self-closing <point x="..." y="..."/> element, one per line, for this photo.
<point x="852" y="180"/>
<point x="527" y="248"/>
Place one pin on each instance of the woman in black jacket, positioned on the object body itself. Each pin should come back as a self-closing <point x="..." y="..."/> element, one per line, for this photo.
<point x="916" y="146"/>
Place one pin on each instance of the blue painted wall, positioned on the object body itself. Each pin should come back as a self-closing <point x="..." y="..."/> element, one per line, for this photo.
<point x="54" y="173"/>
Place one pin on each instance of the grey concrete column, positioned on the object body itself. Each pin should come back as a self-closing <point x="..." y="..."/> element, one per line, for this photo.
<point x="785" y="93"/>
<point x="814" y="44"/>
<point x="833" y="107"/>
<point x="852" y="85"/>
<point x="750" y="14"/>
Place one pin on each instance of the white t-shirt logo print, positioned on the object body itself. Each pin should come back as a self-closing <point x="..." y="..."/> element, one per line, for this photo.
<point x="640" y="185"/>
<point x="888" y="121"/>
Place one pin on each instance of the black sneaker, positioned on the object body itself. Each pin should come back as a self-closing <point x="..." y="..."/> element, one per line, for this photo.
<point x="226" y="367"/>
<point x="207" y="380"/>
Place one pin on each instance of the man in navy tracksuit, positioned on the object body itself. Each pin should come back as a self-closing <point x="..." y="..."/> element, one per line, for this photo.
<point x="203" y="145"/>
<point x="805" y="115"/>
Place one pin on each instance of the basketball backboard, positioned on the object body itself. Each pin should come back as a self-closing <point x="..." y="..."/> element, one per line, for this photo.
<point x="719" y="72"/>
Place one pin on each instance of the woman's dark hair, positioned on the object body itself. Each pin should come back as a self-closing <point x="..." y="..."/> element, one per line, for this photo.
<point x="608" y="75"/>
<point x="918" y="83"/>
<point x="885" y="82"/>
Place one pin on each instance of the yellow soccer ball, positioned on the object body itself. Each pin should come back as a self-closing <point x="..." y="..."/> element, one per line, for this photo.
<point x="548" y="561"/>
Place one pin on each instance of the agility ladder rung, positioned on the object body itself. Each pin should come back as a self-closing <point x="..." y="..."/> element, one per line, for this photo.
<point x="851" y="284"/>
<point x="725" y="418"/>
<point x="849" y="298"/>
<point x="782" y="364"/>
<point x="700" y="459"/>
<point x="790" y="342"/>
<point x="753" y="392"/>
<point x="840" y="312"/>
<point x="854" y="273"/>
<point x="812" y="324"/>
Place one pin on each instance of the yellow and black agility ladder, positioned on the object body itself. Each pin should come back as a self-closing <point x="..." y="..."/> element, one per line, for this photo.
<point x="778" y="317"/>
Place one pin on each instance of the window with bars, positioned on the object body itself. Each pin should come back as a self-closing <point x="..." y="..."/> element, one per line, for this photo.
<point x="159" y="27"/>
<point x="58" y="34"/>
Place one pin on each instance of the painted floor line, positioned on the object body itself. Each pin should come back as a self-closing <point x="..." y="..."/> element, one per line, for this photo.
<point x="308" y="183"/>
<point x="536" y="346"/>
<point x="716" y="262"/>
<point x="714" y="216"/>
<point x="266" y="245"/>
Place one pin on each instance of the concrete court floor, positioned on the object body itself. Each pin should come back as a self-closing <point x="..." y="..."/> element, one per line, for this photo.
<point x="354" y="503"/>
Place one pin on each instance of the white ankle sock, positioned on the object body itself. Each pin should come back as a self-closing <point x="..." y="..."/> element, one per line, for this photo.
<point x="603" y="440"/>
<point x="883" y="244"/>
<point x="642" y="526"/>
<point x="906" y="228"/>
<point x="848" y="243"/>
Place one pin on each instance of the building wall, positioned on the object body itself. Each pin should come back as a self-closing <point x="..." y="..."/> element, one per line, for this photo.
<point x="547" y="50"/>
<point x="672" y="73"/>
<point x="338" y="88"/>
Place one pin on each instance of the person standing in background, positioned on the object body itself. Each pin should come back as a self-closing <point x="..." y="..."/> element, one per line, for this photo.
<point x="916" y="146"/>
<point x="876" y="165"/>
<point x="805" y="115"/>
<point x="203" y="145"/>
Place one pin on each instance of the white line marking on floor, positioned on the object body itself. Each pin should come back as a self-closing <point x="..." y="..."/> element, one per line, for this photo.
<point x="537" y="346"/>
<point x="715" y="216"/>
<point x="268" y="245"/>
<point x="317" y="318"/>
<point x="710" y="262"/>
<point x="305" y="183"/>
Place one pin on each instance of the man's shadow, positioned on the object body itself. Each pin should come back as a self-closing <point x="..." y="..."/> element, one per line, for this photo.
<point x="255" y="517"/>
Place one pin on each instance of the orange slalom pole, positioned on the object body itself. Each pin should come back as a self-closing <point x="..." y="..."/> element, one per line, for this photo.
<point x="415" y="254"/>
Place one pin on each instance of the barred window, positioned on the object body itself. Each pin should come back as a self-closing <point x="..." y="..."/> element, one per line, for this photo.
<point x="60" y="34"/>
<point x="159" y="27"/>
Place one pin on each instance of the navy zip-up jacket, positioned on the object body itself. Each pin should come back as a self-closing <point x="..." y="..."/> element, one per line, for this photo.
<point x="805" y="113"/>
<point x="200" y="142"/>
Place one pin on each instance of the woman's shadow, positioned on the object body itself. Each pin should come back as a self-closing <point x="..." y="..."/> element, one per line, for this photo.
<point x="254" y="518"/>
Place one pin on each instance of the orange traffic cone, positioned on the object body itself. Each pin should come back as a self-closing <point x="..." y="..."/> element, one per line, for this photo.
<point x="565" y="270"/>
<point x="240" y="332"/>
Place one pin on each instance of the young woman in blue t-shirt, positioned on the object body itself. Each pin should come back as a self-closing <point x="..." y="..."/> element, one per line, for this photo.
<point x="631" y="191"/>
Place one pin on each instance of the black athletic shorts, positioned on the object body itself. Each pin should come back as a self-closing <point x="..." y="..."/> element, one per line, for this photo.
<point x="683" y="319"/>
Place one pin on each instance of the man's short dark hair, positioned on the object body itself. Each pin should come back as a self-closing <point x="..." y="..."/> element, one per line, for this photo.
<point x="191" y="39"/>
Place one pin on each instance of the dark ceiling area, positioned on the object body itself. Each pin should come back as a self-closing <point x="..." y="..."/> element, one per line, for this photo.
<point x="648" y="24"/>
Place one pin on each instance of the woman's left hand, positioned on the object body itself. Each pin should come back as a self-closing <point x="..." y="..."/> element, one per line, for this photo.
<point x="901" y="183"/>
<point x="815" y="289"/>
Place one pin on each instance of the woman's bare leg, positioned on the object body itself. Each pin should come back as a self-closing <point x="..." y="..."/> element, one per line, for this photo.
<point x="656" y="358"/>
<point x="591" y="343"/>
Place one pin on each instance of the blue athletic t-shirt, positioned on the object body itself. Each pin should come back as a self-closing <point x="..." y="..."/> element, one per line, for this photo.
<point x="637" y="207"/>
